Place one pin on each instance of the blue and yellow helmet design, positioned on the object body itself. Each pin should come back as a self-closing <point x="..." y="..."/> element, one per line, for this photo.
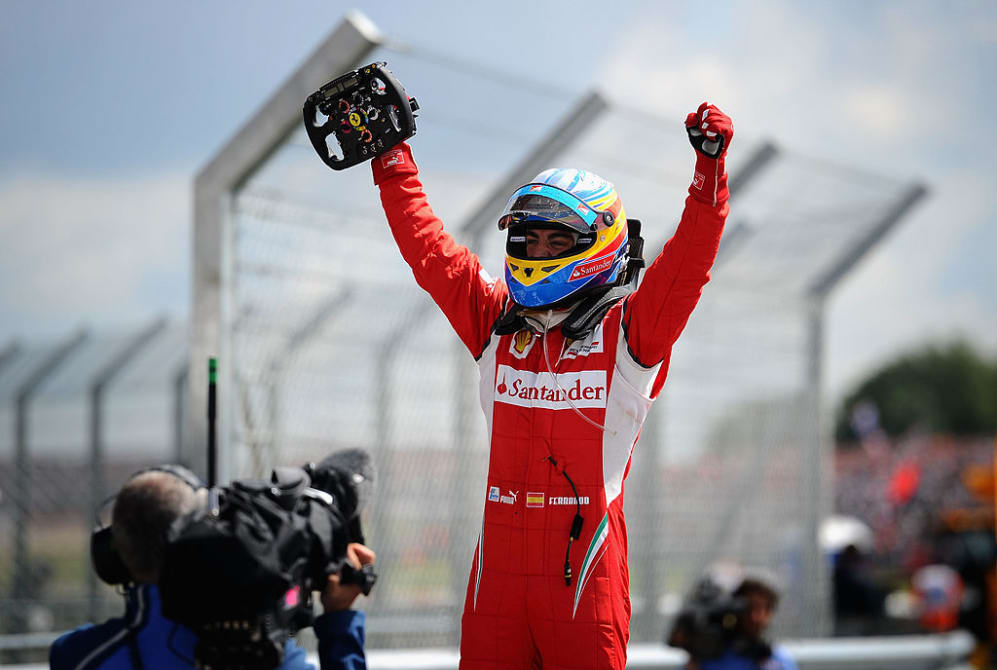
<point x="576" y="201"/>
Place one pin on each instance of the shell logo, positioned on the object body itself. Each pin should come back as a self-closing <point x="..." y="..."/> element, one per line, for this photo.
<point x="522" y="340"/>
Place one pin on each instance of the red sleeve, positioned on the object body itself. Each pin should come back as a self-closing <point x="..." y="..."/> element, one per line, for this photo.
<point x="658" y="310"/>
<point x="471" y="300"/>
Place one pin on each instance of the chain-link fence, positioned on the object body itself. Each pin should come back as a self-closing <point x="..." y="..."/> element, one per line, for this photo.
<point x="76" y="418"/>
<point x="330" y="344"/>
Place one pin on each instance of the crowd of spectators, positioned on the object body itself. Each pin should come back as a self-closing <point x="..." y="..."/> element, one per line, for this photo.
<point x="902" y="490"/>
<point x="930" y="567"/>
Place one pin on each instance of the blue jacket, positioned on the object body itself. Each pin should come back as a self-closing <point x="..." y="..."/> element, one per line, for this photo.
<point x="144" y="638"/>
<point x="779" y="660"/>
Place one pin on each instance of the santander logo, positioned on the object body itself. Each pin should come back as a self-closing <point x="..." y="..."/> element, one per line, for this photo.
<point x="591" y="268"/>
<point x="531" y="389"/>
<point x="599" y="264"/>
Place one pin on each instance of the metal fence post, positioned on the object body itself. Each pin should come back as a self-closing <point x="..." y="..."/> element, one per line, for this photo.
<point x="9" y="353"/>
<point x="648" y="621"/>
<point x="179" y="393"/>
<point x="22" y="586"/>
<point x="818" y="456"/>
<point x="212" y="302"/>
<point x="384" y="449"/>
<point x="465" y="514"/>
<point x="99" y="384"/>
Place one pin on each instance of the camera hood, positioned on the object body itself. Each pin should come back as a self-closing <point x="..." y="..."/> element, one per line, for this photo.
<point x="348" y="476"/>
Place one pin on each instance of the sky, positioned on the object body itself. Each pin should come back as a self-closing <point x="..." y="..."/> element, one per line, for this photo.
<point x="111" y="107"/>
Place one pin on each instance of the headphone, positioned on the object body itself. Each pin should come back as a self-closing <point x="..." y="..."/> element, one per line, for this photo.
<point x="107" y="562"/>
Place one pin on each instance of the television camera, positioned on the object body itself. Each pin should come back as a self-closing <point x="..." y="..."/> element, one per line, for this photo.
<point x="240" y="571"/>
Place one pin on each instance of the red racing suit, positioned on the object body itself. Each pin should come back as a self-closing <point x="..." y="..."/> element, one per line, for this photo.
<point x="518" y="611"/>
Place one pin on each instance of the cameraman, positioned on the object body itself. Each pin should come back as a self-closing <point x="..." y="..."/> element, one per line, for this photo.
<point x="728" y="634"/>
<point x="144" y="510"/>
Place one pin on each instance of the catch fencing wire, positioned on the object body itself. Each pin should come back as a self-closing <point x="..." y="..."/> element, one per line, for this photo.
<point x="76" y="418"/>
<point x="730" y="464"/>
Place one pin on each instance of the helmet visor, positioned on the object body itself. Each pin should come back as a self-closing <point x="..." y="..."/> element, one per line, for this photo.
<point x="546" y="240"/>
<point x="539" y="203"/>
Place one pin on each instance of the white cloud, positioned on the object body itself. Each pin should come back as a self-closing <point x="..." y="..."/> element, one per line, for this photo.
<point x="891" y="86"/>
<point x="895" y="91"/>
<point x="898" y="297"/>
<point x="79" y="251"/>
<point x="879" y="111"/>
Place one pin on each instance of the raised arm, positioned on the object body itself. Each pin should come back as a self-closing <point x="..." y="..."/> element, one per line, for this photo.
<point x="658" y="311"/>
<point x="449" y="272"/>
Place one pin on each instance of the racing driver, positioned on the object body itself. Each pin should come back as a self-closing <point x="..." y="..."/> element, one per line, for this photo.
<point x="571" y="353"/>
